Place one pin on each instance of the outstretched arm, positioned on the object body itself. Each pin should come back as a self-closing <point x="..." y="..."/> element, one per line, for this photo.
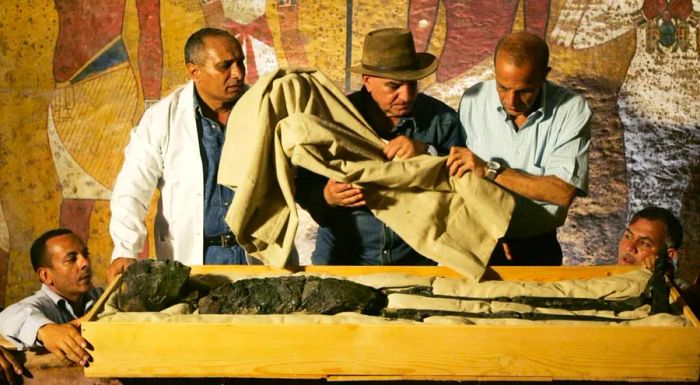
<point x="32" y="322"/>
<point x="65" y="342"/>
<point x="547" y="188"/>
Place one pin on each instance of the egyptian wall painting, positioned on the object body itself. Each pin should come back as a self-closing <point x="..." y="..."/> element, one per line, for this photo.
<point x="76" y="76"/>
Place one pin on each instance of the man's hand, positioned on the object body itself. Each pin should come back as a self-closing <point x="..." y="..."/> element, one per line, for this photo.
<point x="11" y="368"/>
<point x="118" y="266"/>
<point x="343" y="194"/>
<point x="506" y="251"/>
<point x="404" y="147"/>
<point x="65" y="342"/>
<point x="462" y="160"/>
<point x="649" y="262"/>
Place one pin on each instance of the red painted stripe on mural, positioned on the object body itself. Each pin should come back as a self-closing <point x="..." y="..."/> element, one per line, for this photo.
<point x="292" y="43"/>
<point x="75" y="216"/>
<point x="536" y="15"/>
<point x="214" y="14"/>
<point x="473" y="29"/>
<point x="150" y="48"/>
<point x="422" y="10"/>
<point x="85" y="28"/>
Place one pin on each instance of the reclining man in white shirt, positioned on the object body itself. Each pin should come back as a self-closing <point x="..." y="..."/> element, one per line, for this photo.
<point x="51" y="316"/>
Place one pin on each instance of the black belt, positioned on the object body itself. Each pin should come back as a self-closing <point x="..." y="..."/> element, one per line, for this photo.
<point x="224" y="240"/>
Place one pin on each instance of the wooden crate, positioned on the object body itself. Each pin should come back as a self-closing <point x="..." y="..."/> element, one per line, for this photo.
<point x="399" y="351"/>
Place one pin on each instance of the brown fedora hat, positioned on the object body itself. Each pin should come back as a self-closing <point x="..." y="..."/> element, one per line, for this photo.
<point x="390" y="53"/>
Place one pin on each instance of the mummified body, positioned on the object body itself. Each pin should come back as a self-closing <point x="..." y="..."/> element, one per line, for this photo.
<point x="284" y="295"/>
<point x="154" y="285"/>
<point x="150" y="285"/>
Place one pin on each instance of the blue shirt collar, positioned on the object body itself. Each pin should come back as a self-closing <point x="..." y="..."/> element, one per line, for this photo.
<point x="534" y="115"/>
<point x="197" y="105"/>
<point x="199" y="114"/>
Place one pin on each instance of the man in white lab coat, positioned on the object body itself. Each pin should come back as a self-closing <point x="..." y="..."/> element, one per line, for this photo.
<point x="176" y="148"/>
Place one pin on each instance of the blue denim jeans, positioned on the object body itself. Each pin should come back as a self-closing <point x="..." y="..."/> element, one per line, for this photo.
<point x="357" y="237"/>
<point x="217" y="255"/>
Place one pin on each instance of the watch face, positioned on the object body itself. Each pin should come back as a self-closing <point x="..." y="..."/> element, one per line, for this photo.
<point x="492" y="168"/>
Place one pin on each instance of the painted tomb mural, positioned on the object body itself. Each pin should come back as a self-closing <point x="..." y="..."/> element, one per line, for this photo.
<point x="78" y="75"/>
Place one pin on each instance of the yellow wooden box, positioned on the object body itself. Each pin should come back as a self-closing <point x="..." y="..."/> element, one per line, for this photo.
<point x="399" y="351"/>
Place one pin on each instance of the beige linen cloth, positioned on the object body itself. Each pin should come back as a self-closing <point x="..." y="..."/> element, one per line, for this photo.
<point x="299" y="118"/>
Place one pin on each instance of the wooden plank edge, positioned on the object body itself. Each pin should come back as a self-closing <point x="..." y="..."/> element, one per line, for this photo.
<point x="91" y="315"/>
<point x="347" y="378"/>
<point x="302" y="376"/>
<point x="687" y="311"/>
<point x="350" y="378"/>
<point x="528" y="273"/>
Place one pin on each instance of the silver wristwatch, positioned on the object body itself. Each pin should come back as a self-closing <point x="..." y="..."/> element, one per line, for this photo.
<point x="492" y="170"/>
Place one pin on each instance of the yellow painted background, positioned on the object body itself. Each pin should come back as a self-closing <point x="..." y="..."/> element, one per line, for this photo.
<point x="30" y="192"/>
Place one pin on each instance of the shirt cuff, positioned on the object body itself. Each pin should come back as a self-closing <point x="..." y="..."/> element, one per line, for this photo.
<point x="432" y="150"/>
<point x="27" y="336"/>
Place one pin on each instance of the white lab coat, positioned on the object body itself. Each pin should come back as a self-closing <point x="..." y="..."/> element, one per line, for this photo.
<point x="163" y="152"/>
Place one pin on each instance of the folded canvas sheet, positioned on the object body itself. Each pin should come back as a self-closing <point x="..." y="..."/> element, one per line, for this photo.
<point x="299" y="118"/>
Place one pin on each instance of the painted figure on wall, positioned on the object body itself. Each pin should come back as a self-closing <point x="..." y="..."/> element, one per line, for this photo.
<point x="104" y="76"/>
<point x="473" y="28"/>
<point x="658" y="102"/>
<point x="471" y="32"/>
<point x="247" y="21"/>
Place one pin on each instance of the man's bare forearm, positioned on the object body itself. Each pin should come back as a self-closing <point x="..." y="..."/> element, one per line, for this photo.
<point x="546" y="188"/>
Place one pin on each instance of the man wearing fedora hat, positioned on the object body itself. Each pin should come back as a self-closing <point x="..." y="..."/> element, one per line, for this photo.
<point x="531" y="137"/>
<point x="411" y="123"/>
